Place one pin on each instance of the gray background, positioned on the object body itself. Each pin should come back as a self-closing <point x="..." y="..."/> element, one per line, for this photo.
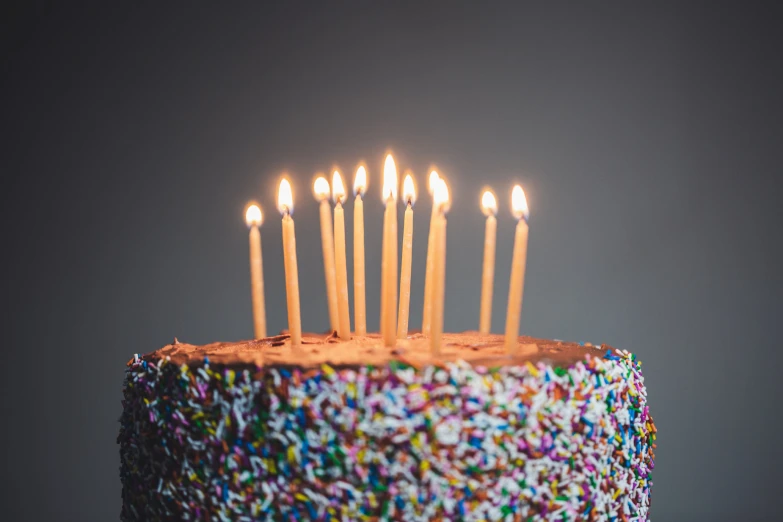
<point x="647" y="139"/>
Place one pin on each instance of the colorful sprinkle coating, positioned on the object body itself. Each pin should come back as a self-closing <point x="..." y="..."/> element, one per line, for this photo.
<point x="513" y="443"/>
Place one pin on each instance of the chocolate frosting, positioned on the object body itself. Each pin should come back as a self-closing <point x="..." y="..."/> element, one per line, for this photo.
<point x="316" y="349"/>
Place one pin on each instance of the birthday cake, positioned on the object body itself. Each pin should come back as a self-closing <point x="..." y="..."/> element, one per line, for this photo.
<point x="350" y="430"/>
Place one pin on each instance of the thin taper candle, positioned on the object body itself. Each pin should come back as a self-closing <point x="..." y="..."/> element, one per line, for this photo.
<point x="409" y="197"/>
<point x="489" y="207"/>
<point x="517" y="283"/>
<point x="321" y="192"/>
<point x="439" y="268"/>
<point x="340" y="262"/>
<point x="285" y="205"/>
<point x="427" y="309"/>
<point x="388" y="318"/>
<point x="359" y="306"/>
<point x="254" y="218"/>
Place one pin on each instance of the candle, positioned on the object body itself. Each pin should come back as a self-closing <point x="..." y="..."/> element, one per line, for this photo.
<point x="427" y="310"/>
<point x="359" y="307"/>
<point x="441" y="201"/>
<point x="321" y="191"/>
<point x="341" y="265"/>
<point x="517" y="285"/>
<point x="409" y="197"/>
<point x="489" y="207"/>
<point x="254" y="218"/>
<point x="389" y="254"/>
<point x="285" y="204"/>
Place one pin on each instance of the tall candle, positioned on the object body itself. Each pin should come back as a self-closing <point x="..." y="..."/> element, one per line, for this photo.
<point x="389" y="255"/>
<point x="409" y="197"/>
<point x="439" y="267"/>
<point x="427" y="309"/>
<point x="285" y="204"/>
<point x="359" y="306"/>
<point x="254" y="218"/>
<point x="490" y="207"/>
<point x="340" y="262"/>
<point x="321" y="191"/>
<point x="517" y="284"/>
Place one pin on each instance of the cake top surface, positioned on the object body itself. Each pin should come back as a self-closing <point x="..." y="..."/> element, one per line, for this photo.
<point x="317" y="349"/>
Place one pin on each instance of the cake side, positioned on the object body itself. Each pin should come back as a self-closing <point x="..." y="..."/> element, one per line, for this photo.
<point x="218" y="437"/>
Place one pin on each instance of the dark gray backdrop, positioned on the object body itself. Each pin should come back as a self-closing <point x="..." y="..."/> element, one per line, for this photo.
<point x="647" y="138"/>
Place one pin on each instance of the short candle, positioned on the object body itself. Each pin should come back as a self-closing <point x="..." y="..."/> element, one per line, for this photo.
<point x="254" y="219"/>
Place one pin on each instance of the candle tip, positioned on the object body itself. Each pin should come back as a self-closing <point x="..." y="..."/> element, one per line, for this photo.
<point x="408" y="189"/>
<point x="360" y="181"/>
<point x="433" y="181"/>
<point x="338" y="189"/>
<point x="285" y="198"/>
<point x="519" y="206"/>
<point x="489" y="204"/>
<point x="253" y="215"/>
<point x="321" y="188"/>
<point x="441" y="196"/>
<point x="389" y="179"/>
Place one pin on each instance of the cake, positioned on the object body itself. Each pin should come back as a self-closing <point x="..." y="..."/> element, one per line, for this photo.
<point x="350" y="430"/>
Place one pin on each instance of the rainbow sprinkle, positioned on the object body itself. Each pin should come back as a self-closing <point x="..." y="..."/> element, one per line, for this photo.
<point x="514" y="443"/>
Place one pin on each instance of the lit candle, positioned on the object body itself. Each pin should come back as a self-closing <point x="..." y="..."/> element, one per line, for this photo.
<point x="340" y="263"/>
<point x="409" y="198"/>
<point x="441" y="201"/>
<point x="389" y="255"/>
<point x="321" y="191"/>
<point x="517" y="284"/>
<point x="285" y="204"/>
<point x="254" y="218"/>
<point x="359" y="307"/>
<point x="489" y="207"/>
<point x="427" y="310"/>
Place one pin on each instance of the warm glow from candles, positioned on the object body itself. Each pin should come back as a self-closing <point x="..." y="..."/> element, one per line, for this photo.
<point x="441" y="196"/>
<point x="389" y="179"/>
<point x="433" y="181"/>
<point x="519" y="203"/>
<point x="489" y="205"/>
<point x="253" y="215"/>
<point x="285" y="198"/>
<point x="338" y="189"/>
<point x="408" y="190"/>
<point x="321" y="188"/>
<point x="360" y="181"/>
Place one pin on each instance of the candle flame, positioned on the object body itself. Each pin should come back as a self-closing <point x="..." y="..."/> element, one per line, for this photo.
<point x="408" y="189"/>
<point x="338" y="189"/>
<point x="433" y="182"/>
<point x="253" y="215"/>
<point x="360" y="181"/>
<point x="489" y="204"/>
<point x="519" y="203"/>
<point x="389" y="179"/>
<point x="441" y="196"/>
<point x="285" y="198"/>
<point x="321" y="188"/>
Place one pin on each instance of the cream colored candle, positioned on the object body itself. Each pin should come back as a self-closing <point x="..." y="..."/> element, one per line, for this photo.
<point x="321" y="191"/>
<point x="490" y="207"/>
<point x="427" y="309"/>
<point x="340" y="262"/>
<point x="409" y="197"/>
<point x="285" y="204"/>
<point x="359" y="306"/>
<point x="439" y="267"/>
<point x="517" y="284"/>
<point x="254" y="218"/>
<point x="388" y="318"/>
